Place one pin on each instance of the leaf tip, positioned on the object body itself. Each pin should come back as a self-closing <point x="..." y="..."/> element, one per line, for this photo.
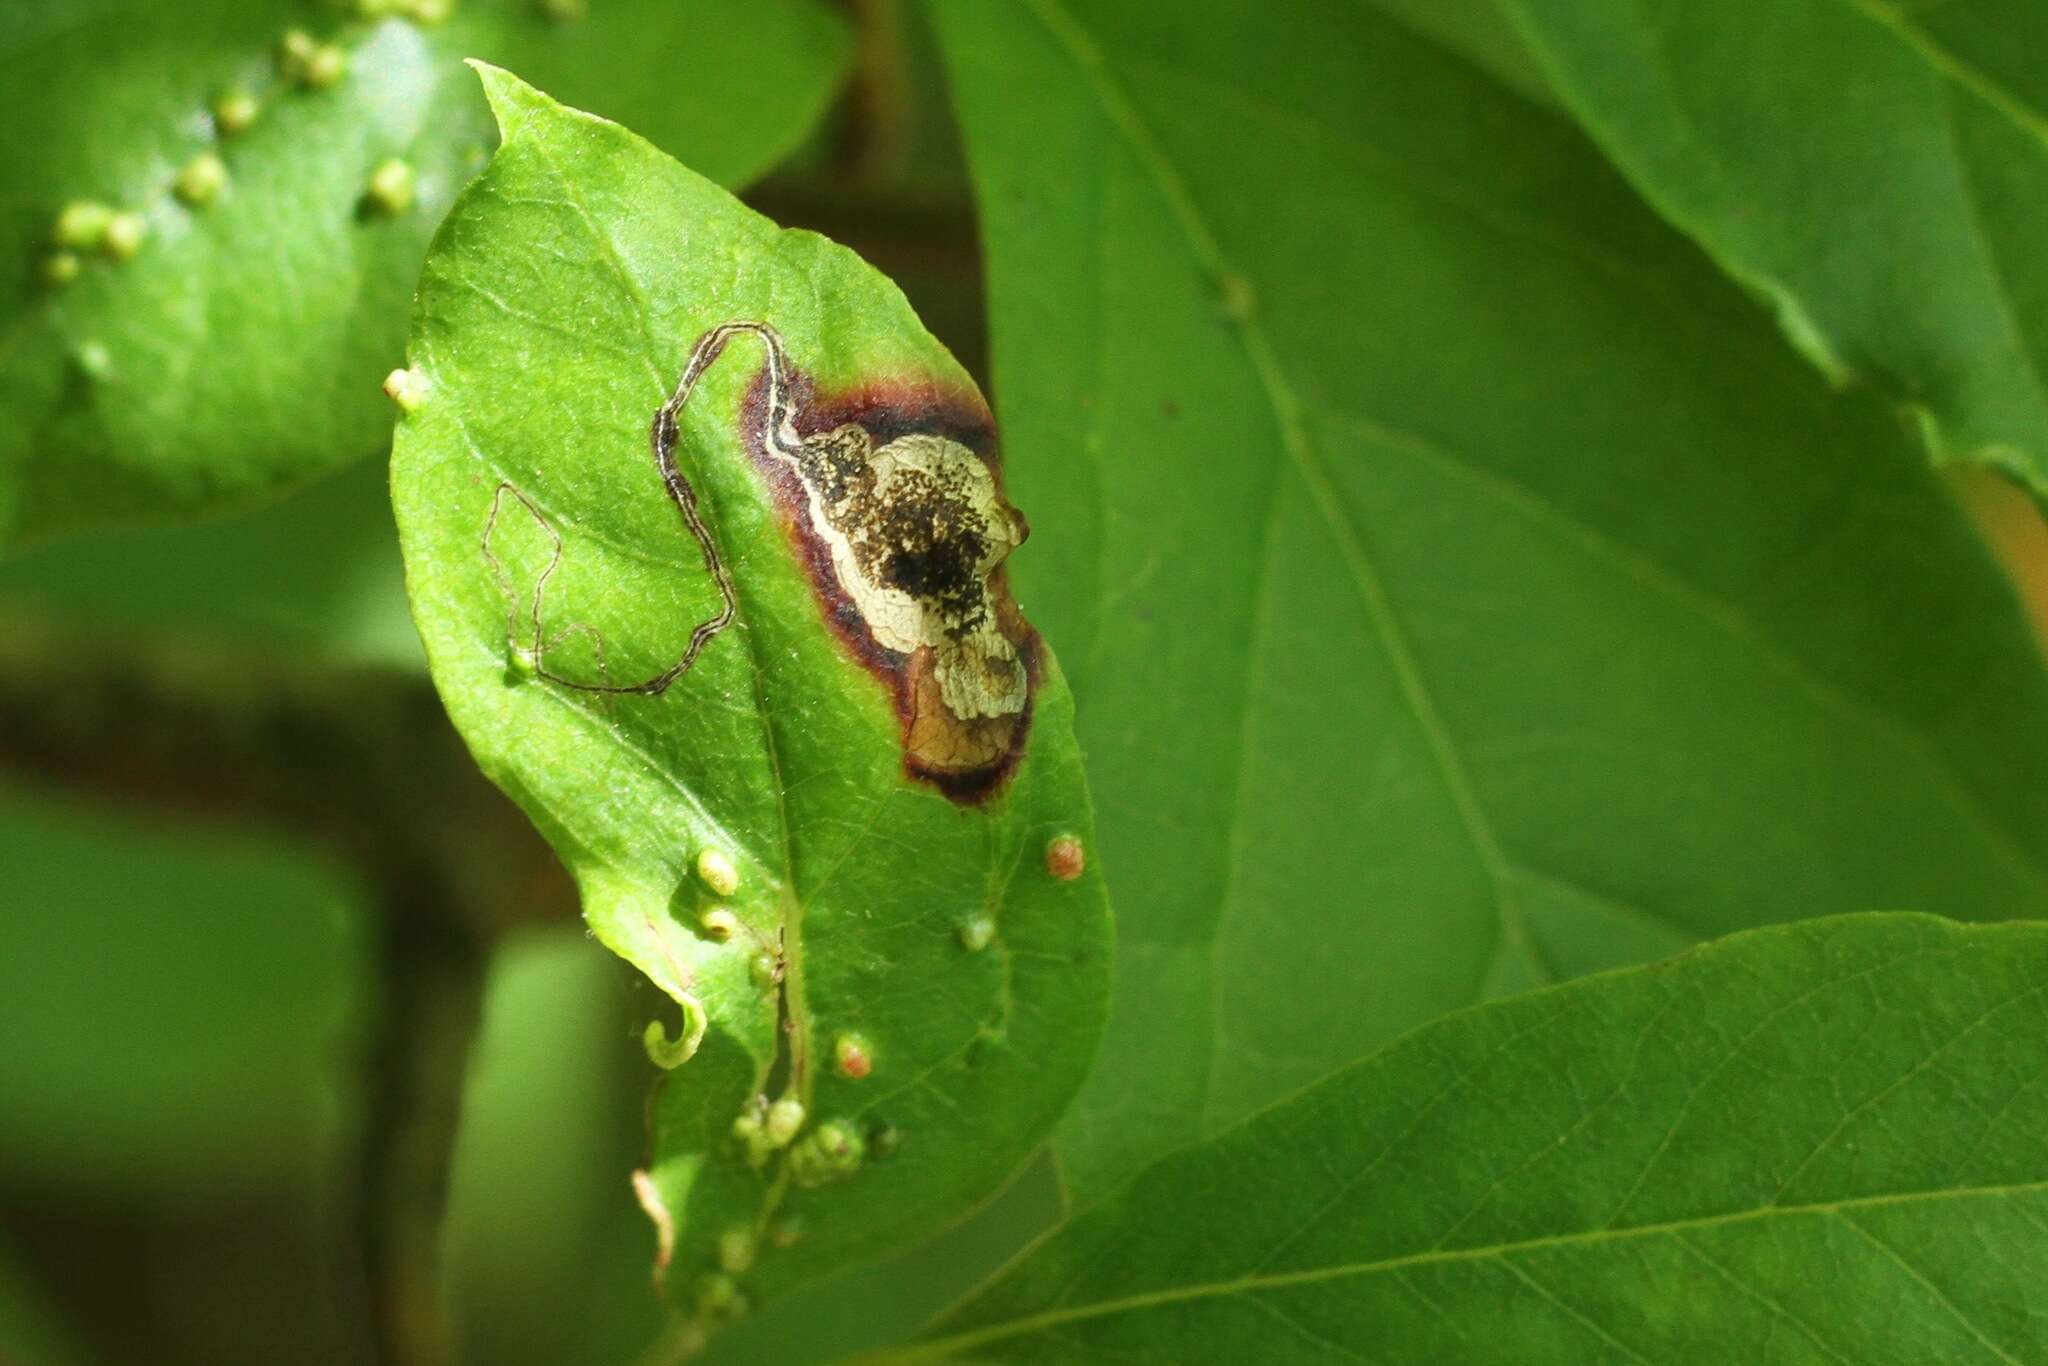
<point x="512" y="100"/>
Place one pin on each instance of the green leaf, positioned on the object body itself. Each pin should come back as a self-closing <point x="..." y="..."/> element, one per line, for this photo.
<point x="1884" y="187"/>
<point x="239" y="348"/>
<point x="143" y="967"/>
<point x="1815" y="1143"/>
<point x="1464" y="586"/>
<point x="915" y="908"/>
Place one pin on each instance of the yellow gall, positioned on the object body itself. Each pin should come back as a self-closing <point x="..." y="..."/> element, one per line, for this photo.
<point x="391" y="188"/>
<point x="715" y="871"/>
<point x="234" y="112"/>
<point x="201" y="180"/>
<point x="124" y="235"/>
<point x="82" y="225"/>
<point x="977" y="932"/>
<point x="785" y="1117"/>
<point x="406" y="388"/>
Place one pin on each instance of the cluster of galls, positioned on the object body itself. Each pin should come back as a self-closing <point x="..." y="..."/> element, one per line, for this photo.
<point x="86" y="227"/>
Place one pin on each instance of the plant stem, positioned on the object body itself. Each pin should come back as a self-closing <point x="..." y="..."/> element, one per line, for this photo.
<point x="362" y="763"/>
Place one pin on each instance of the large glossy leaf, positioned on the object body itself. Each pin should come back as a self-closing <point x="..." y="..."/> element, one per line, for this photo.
<point x="876" y="893"/>
<point x="1464" y="586"/>
<point x="1818" y="1143"/>
<point x="240" y="347"/>
<point x="1877" y="169"/>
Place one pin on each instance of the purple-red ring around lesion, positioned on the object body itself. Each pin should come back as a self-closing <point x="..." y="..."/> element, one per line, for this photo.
<point x="968" y="761"/>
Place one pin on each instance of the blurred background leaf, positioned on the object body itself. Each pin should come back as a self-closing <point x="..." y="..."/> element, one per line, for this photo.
<point x="140" y="1273"/>
<point x="1884" y="187"/>
<point x="179" y="1115"/>
<point x="1739" y="1155"/>
<point x="1465" y="587"/>
<point x="238" y="350"/>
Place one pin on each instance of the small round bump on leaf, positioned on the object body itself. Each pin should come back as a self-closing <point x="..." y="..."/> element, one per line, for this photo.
<point x="234" y="112"/>
<point x="316" y="66"/>
<point x="60" y="268"/>
<point x="715" y="870"/>
<point x="785" y="1117"/>
<point x="94" y="359"/>
<point x="831" y="1152"/>
<point x="1065" y="859"/>
<point x="564" y="11"/>
<point x="718" y="1296"/>
<point x="766" y="970"/>
<point x="429" y="12"/>
<point x="752" y="1121"/>
<point x="720" y="923"/>
<point x="851" y="1057"/>
<point x="82" y="225"/>
<point x="977" y="932"/>
<point x="883" y="1141"/>
<point x="124" y="234"/>
<point x="391" y="188"/>
<point x="201" y="180"/>
<point x="736" y="1250"/>
<point x="294" y="50"/>
<point x="786" y="1232"/>
<point x="406" y="388"/>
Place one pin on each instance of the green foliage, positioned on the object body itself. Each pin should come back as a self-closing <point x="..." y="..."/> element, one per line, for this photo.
<point x="556" y="310"/>
<point x="1476" y="455"/>
<point x="1814" y="1143"/>
<point x="237" y="347"/>
<point x="1466" y="588"/>
<point x="1876" y="170"/>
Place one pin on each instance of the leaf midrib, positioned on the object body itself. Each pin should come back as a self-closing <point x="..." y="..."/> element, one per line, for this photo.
<point x="1675" y="1228"/>
<point x="1124" y="117"/>
<point x="793" y="1031"/>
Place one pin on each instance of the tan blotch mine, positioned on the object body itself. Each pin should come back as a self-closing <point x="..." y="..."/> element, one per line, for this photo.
<point x="1065" y="859"/>
<point x="715" y="870"/>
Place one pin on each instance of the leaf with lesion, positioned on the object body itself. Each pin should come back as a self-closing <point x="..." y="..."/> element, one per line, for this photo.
<point x="217" y="212"/>
<point x="847" y="894"/>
